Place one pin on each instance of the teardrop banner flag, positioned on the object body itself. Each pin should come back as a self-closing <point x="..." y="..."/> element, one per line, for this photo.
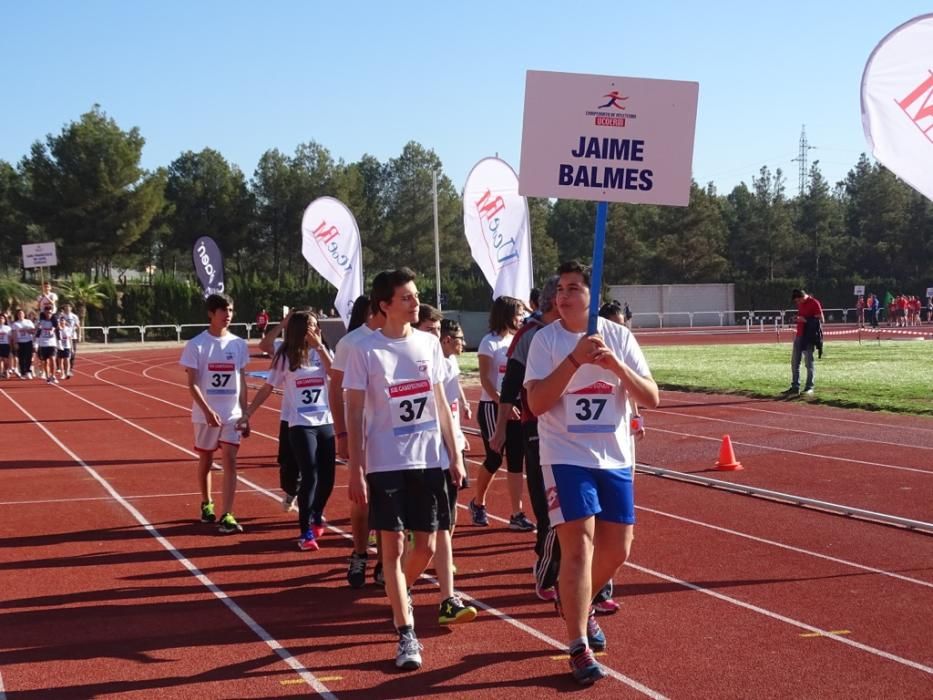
<point x="209" y="265"/>
<point x="897" y="103"/>
<point x="330" y="242"/>
<point x="497" y="227"/>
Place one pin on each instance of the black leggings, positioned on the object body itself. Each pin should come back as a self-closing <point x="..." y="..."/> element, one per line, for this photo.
<point x="514" y="448"/>
<point x="24" y="352"/>
<point x="315" y="451"/>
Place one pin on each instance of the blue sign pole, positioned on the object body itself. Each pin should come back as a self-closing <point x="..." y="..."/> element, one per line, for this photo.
<point x="596" y="276"/>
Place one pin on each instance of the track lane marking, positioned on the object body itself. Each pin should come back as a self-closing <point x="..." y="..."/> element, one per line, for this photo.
<point x="848" y="460"/>
<point x="218" y="593"/>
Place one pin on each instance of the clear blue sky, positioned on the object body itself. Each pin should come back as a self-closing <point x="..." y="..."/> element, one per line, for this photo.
<point x="366" y="77"/>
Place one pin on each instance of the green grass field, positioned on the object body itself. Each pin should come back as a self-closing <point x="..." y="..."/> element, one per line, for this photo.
<point x="893" y="376"/>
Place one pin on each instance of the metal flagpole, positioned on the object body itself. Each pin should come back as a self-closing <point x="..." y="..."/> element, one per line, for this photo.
<point x="437" y="243"/>
<point x="596" y="276"/>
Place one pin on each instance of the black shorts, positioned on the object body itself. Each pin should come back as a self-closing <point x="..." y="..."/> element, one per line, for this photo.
<point x="408" y="499"/>
<point x="514" y="440"/>
<point x="45" y="353"/>
<point x="64" y="354"/>
<point x="452" y="491"/>
<point x="5" y="350"/>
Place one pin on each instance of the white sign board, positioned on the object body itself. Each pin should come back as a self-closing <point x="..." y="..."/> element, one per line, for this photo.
<point x="859" y="290"/>
<point x="610" y="139"/>
<point x="929" y="292"/>
<point x="39" y="255"/>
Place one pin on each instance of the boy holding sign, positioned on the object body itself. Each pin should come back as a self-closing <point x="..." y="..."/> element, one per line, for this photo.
<point x="579" y="386"/>
<point x="215" y="361"/>
<point x="395" y="404"/>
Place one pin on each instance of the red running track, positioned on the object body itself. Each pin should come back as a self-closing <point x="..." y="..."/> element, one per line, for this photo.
<point x="726" y="596"/>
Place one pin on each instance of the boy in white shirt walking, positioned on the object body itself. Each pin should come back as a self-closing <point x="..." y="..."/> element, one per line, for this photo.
<point x="215" y="361"/>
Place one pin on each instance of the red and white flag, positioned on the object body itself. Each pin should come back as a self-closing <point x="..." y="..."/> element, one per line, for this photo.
<point x="330" y="242"/>
<point x="498" y="229"/>
<point x="897" y="103"/>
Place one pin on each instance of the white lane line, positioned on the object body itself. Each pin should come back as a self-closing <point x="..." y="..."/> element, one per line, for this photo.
<point x="768" y="613"/>
<point x="246" y="491"/>
<point x="2" y="689"/>
<point x="816" y="455"/>
<point x="254" y="626"/>
<point x="843" y="438"/>
<point x="506" y="618"/>
<point x="788" y="547"/>
<point x="795" y="416"/>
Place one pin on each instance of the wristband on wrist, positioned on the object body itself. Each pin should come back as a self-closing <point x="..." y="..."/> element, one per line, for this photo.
<point x="573" y="361"/>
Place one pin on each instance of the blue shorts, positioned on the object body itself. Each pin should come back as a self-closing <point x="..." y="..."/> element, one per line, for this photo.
<point x="579" y="492"/>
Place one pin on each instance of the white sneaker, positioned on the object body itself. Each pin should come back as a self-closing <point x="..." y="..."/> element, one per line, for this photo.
<point x="408" y="655"/>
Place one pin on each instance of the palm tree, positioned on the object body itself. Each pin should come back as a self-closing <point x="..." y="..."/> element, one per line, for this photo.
<point x="15" y="293"/>
<point x="83" y="294"/>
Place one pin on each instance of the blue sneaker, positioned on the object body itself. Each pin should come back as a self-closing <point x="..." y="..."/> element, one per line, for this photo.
<point x="308" y="542"/>
<point x="594" y="633"/>
<point x="479" y="514"/>
<point x="586" y="670"/>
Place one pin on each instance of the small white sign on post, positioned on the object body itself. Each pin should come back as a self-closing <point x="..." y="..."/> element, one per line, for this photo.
<point x="859" y="290"/>
<point x="929" y="292"/>
<point x="39" y="255"/>
<point x="608" y="139"/>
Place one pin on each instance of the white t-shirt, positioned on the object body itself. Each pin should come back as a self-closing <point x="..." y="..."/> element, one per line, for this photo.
<point x="497" y="348"/>
<point x="24" y="330"/>
<point x="45" y="333"/>
<point x="5" y="332"/>
<point x="218" y="362"/>
<point x="400" y="417"/>
<point x="66" y="336"/>
<point x="452" y="392"/>
<point x="71" y="320"/>
<point x="346" y="345"/>
<point x="304" y="400"/>
<point x="589" y="425"/>
<point x="50" y="299"/>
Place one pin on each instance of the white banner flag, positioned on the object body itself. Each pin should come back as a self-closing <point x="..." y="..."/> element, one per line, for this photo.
<point x="498" y="229"/>
<point x="330" y="242"/>
<point x="897" y="103"/>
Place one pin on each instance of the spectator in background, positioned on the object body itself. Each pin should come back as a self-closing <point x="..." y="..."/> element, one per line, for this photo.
<point x="871" y="306"/>
<point x="860" y="311"/>
<point x="809" y="311"/>
<point x="929" y="309"/>
<point x="627" y="315"/>
<point x="262" y="321"/>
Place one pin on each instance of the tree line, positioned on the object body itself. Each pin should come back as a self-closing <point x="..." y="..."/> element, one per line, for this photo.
<point x="85" y="189"/>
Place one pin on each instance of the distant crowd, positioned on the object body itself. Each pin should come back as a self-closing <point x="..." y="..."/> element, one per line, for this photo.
<point x="39" y="343"/>
<point x="902" y="311"/>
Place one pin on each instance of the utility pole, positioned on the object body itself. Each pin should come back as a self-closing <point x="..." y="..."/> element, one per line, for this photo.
<point x="802" y="160"/>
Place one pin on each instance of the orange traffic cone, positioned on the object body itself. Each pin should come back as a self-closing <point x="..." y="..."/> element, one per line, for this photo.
<point x="727" y="461"/>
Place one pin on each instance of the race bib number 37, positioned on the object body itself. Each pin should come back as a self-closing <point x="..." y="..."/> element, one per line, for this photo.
<point x="412" y="407"/>
<point x="310" y="395"/>
<point x="592" y="409"/>
<point x="221" y="378"/>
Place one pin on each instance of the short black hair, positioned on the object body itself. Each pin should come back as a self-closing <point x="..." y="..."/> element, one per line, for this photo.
<point x="450" y="327"/>
<point x="218" y="301"/>
<point x="611" y="308"/>
<point x="426" y="312"/>
<point x="385" y="284"/>
<point x="797" y="294"/>
<point x="533" y="296"/>
<point x="575" y="266"/>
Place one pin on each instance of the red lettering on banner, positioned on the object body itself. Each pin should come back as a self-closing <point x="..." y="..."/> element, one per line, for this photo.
<point x="595" y="388"/>
<point x="325" y="236"/>
<point x="220" y="367"/>
<point x="310" y="381"/>
<point x="924" y="90"/>
<point x="409" y="388"/>
<point x="491" y="207"/>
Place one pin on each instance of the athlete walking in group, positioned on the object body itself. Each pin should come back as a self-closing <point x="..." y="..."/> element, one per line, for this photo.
<point x="300" y="368"/>
<point x="395" y="405"/>
<point x="214" y="361"/>
<point x="24" y="331"/>
<point x="505" y="319"/>
<point x="6" y="353"/>
<point x="47" y="344"/>
<point x="579" y="385"/>
<point x="363" y="323"/>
